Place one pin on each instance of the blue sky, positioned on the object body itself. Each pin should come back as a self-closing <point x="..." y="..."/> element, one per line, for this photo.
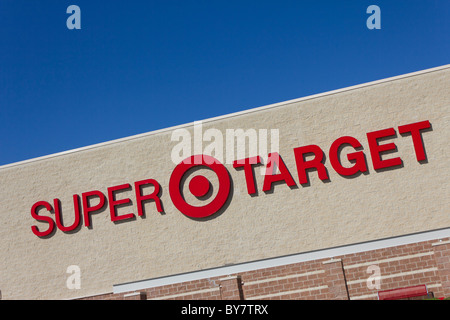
<point x="139" y="66"/>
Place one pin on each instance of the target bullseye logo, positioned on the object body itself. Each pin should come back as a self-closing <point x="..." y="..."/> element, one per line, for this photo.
<point x="199" y="186"/>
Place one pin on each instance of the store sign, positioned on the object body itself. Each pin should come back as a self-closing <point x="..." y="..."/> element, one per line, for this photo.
<point x="275" y="171"/>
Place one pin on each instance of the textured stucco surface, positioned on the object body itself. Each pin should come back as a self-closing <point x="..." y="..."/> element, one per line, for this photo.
<point x="376" y="205"/>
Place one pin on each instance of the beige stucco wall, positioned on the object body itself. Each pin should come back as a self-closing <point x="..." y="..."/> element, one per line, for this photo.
<point x="376" y="205"/>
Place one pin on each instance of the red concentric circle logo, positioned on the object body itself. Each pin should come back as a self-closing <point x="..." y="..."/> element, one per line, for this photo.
<point x="199" y="186"/>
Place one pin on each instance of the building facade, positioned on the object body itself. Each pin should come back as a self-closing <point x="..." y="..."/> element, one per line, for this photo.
<point x="340" y="195"/>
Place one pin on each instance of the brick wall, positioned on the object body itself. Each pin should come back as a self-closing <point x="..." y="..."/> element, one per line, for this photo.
<point x="401" y="266"/>
<point x="353" y="276"/>
<point x="442" y="257"/>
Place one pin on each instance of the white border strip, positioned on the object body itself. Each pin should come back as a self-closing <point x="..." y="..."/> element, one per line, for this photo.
<point x="271" y="106"/>
<point x="132" y="294"/>
<point x="280" y="261"/>
<point x="284" y="293"/>
<point x="368" y="263"/>
<point x="395" y="275"/>
<point x="291" y="276"/>
<point x="190" y="293"/>
<point x="365" y="296"/>
<point x="440" y="243"/>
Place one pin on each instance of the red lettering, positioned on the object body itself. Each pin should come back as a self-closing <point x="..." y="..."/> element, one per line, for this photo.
<point x="376" y="149"/>
<point x="275" y="161"/>
<point x="113" y="202"/>
<point x="58" y="216"/>
<point x="357" y="157"/>
<point x="34" y="214"/>
<point x="414" y="129"/>
<point x="276" y="171"/>
<point x="153" y="196"/>
<point x="248" y="164"/>
<point x="87" y="209"/>
<point x="316" y="162"/>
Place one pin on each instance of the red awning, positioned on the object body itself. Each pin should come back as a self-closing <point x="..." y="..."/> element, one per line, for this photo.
<point x="402" y="293"/>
